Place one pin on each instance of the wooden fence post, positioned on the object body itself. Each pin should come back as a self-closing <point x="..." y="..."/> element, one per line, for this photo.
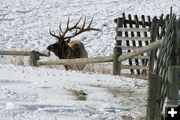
<point x="117" y="50"/>
<point x="178" y="41"/>
<point x="152" y="112"/>
<point x="173" y="84"/>
<point x="153" y="39"/>
<point x="174" y="69"/>
<point x="34" y="56"/>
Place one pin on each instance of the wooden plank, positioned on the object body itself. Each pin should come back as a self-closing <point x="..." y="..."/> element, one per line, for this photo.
<point x="24" y="53"/>
<point x="141" y="50"/>
<point x="133" y="22"/>
<point x="133" y="43"/>
<point x="117" y="51"/>
<point x="139" y="42"/>
<point x="145" y="77"/>
<point x="133" y="29"/>
<point x="34" y="56"/>
<point x="153" y="39"/>
<point x="152" y="111"/>
<point x="144" y="26"/>
<point x="140" y="57"/>
<point x="127" y="41"/>
<point x="178" y="41"/>
<point x="173" y="82"/>
<point x="174" y="42"/>
<point x="133" y="38"/>
<point x="145" y="35"/>
<point x="149" y="21"/>
<point x="76" y="61"/>
<point x="128" y="47"/>
<point x="134" y="67"/>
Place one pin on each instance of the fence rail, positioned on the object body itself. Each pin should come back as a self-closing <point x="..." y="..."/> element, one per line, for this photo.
<point x="133" y="38"/>
<point x="33" y="55"/>
<point x="35" y="60"/>
<point x="140" y="51"/>
<point x="23" y="53"/>
<point x="76" y="61"/>
<point x="133" y="29"/>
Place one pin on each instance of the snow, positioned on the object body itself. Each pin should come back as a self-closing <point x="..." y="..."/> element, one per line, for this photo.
<point x="25" y="24"/>
<point x="28" y="93"/>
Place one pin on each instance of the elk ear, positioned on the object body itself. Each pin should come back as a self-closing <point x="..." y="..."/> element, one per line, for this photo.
<point x="67" y="41"/>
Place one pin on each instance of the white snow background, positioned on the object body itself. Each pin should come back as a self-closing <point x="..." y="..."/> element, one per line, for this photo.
<point x="28" y="93"/>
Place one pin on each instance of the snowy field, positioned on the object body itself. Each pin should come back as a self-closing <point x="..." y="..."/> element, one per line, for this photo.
<point x="25" y="24"/>
<point x="28" y="93"/>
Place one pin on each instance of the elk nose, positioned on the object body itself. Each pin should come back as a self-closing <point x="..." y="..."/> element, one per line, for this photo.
<point x="50" y="48"/>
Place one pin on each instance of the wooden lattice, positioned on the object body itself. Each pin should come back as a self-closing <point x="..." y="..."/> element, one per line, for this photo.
<point x="165" y="59"/>
<point x="158" y="73"/>
<point x="132" y="33"/>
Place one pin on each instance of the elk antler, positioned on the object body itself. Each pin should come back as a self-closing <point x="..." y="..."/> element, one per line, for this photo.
<point x="54" y="34"/>
<point x="77" y="29"/>
<point x="82" y="29"/>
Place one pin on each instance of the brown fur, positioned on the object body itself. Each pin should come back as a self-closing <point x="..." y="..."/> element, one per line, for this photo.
<point x="69" y="50"/>
<point x="64" y="48"/>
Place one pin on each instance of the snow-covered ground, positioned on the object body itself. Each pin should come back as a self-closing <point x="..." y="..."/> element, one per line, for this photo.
<point x="25" y="24"/>
<point x="28" y="93"/>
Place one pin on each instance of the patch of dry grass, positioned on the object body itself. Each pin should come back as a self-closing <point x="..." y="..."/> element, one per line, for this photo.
<point x="15" y="60"/>
<point x="100" y="68"/>
<point x="79" y="94"/>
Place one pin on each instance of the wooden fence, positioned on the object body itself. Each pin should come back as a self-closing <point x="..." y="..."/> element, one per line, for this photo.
<point x="164" y="75"/>
<point x="132" y="34"/>
<point x="34" y="58"/>
<point x="138" y="43"/>
<point x="33" y="55"/>
<point x="76" y="61"/>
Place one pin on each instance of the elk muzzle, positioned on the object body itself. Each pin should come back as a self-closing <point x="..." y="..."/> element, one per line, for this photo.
<point x="50" y="48"/>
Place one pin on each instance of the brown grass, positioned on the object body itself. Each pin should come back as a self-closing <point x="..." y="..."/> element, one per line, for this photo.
<point x="101" y="68"/>
<point x="120" y="92"/>
<point x="79" y="94"/>
<point x="16" y="60"/>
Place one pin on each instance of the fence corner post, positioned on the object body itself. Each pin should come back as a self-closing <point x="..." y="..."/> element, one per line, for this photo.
<point x="34" y="56"/>
<point x="152" y="112"/>
<point x="117" y="51"/>
<point x="173" y="84"/>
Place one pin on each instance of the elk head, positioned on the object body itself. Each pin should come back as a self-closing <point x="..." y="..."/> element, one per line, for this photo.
<point x="64" y="48"/>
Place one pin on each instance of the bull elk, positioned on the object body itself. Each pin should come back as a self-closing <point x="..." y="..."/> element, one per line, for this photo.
<point x="65" y="48"/>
